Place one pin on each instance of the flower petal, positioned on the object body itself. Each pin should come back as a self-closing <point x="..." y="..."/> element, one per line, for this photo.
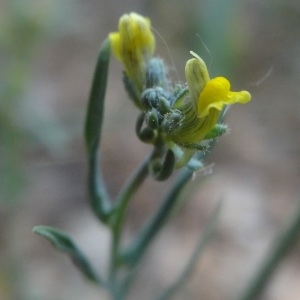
<point x="136" y="35"/>
<point x="216" y="94"/>
<point x="196" y="76"/>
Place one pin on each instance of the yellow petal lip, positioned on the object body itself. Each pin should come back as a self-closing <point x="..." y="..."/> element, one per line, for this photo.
<point x="216" y="93"/>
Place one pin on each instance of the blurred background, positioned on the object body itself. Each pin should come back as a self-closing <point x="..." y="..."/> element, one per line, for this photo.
<point x="48" y="50"/>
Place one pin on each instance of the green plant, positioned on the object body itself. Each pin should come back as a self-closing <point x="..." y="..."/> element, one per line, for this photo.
<point x="182" y="122"/>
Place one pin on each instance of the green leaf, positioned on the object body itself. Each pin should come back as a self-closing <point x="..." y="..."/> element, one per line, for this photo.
<point x="62" y="242"/>
<point x="94" y="118"/>
<point x="98" y="195"/>
<point x="99" y="198"/>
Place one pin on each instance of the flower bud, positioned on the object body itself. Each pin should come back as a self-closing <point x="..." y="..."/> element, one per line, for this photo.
<point x="156" y="74"/>
<point x="152" y="119"/>
<point x="134" y="45"/>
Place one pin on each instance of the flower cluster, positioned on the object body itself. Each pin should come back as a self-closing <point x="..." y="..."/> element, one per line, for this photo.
<point x="180" y="118"/>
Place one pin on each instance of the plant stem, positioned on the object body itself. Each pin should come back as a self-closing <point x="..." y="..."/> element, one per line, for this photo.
<point x="159" y="219"/>
<point x="277" y="254"/>
<point x="120" y="209"/>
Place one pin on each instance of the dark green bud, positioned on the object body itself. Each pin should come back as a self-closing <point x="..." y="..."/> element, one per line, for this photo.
<point x="162" y="170"/>
<point x="148" y="97"/>
<point x="163" y="105"/>
<point x="148" y="135"/>
<point x="152" y="98"/>
<point x="172" y="121"/>
<point x="152" y="119"/>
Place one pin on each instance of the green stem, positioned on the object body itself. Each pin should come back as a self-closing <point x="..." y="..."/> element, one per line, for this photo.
<point x="277" y="254"/>
<point x="147" y="234"/>
<point x="120" y="209"/>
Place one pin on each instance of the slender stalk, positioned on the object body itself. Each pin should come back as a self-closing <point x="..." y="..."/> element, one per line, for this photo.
<point x="147" y="234"/>
<point x="277" y="254"/>
<point x="120" y="209"/>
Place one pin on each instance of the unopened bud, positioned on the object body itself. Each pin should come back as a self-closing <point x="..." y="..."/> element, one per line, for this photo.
<point x="152" y="119"/>
<point x="156" y="74"/>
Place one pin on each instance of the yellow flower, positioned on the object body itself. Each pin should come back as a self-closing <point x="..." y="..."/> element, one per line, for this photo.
<point x="134" y="45"/>
<point x="207" y="98"/>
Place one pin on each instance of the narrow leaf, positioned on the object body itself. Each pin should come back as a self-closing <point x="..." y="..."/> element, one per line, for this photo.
<point x="93" y="125"/>
<point x="61" y="241"/>
<point x="94" y="118"/>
